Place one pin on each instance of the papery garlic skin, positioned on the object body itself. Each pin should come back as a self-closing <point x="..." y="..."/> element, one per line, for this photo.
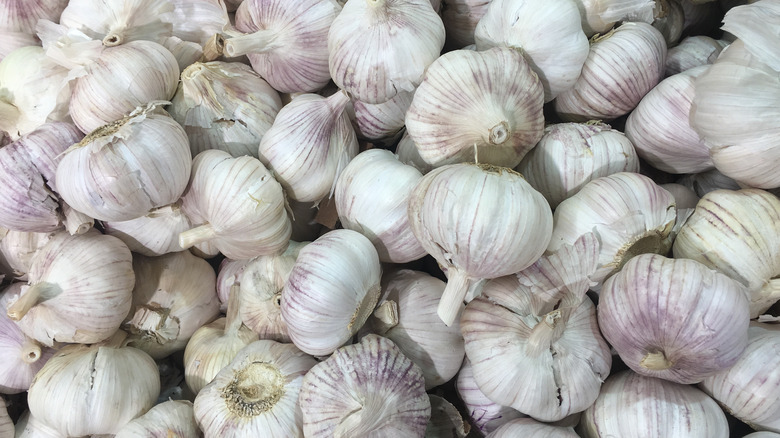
<point x="365" y="389"/>
<point x="529" y="428"/>
<point x="485" y="414"/>
<point x="199" y="20"/>
<point x="760" y="41"/>
<point x="492" y="115"/>
<point x="634" y="406"/>
<point x="709" y="181"/>
<point x="119" y="22"/>
<point x="18" y="249"/>
<point x="155" y="234"/>
<point x="693" y="51"/>
<point x="172" y="418"/>
<point x="446" y="421"/>
<point x="6" y="425"/>
<point x="378" y="48"/>
<point x="382" y="120"/>
<point x="598" y="16"/>
<point x="228" y="275"/>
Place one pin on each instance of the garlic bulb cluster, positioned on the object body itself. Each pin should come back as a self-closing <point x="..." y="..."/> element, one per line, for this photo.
<point x="155" y="234"/>
<point x="485" y="414"/>
<point x="171" y="418"/>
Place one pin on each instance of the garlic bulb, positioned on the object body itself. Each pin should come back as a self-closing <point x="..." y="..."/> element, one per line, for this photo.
<point x="228" y="275"/>
<point x="18" y="249"/>
<point x="622" y="66"/>
<point x="763" y="435"/>
<point x="31" y="427"/>
<point x="497" y="229"/>
<point x="634" y="406"/>
<point x="119" y="22"/>
<point x="693" y="51"/>
<point x="493" y="112"/>
<point x="199" y="20"/>
<point x="224" y="105"/>
<point x="382" y="120"/>
<point x="669" y="20"/>
<point x="598" y="16"/>
<point x="705" y="182"/>
<point x="241" y="203"/>
<point x="372" y="197"/>
<point x="155" y="234"/>
<point x="408" y="153"/>
<point x="460" y="18"/>
<point x="630" y="214"/>
<point x="174" y="418"/>
<point x="18" y="19"/>
<point x="174" y="295"/>
<point x="660" y="130"/>
<point x="124" y="170"/>
<point x="570" y="155"/>
<point x="406" y="315"/>
<point x="80" y="289"/>
<point x="6" y="425"/>
<point x="378" y="48"/>
<point x="759" y="40"/>
<point x="365" y="389"/>
<point x="529" y="428"/>
<point x="285" y="41"/>
<point x="256" y="394"/>
<point x="736" y="233"/>
<point x="97" y="389"/>
<point x="331" y="291"/>
<point x="485" y="414"/>
<point x="27" y="168"/>
<point x="548" y="32"/>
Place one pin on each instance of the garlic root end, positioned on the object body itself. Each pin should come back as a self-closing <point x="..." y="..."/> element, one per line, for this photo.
<point x="656" y="361"/>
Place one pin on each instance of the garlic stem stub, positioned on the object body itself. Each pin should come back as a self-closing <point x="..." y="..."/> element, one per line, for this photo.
<point x="116" y="23"/>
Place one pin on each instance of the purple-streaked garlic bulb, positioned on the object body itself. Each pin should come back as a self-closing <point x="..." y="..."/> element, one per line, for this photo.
<point x="485" y="414"/>
<point x="331" y="291"/>
<point x="406" y="315"/>
<point x="309" y="144"/>
<point x="224" y="105"/>
<point x="28" y="201"/>
<point x="693" y="51"/>
<point x="80" y="289"/>
<point x="530" y="428"/>
<point x="173" y="418"/>
<point x="599" y="16"/>
<point x="286" y="42"/>
<point x="382" y="120"/>
<point x="228" y="275"/>
<point x="635" y="406"/>
<point x="674" y="319"/>
<point x="18" y="19"/>
<point x="446" y="421"/>
<point x="365" y="389"/>
<point x="460" y="18"/>
<point x="479" y="222"/>
<point x="256" y="394"/>
<point x="17" y="249"/>
<point x="622" y="66"/>
<point x="127" y="168"/>
<point x="241" y="203"/>
<point x="570" y="155"/>
<point x="378" y="48"/>
<point x="477" y="106"/>
<point x="155" y="234"/>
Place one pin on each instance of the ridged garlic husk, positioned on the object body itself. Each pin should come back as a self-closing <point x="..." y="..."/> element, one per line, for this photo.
<point x="635" y="406"/>
<point x="228" y="275"/>
<point x="739" y="123"/>
<point x="446" y="421"/>
<point x="406" y="314"/>
<point x="708" y="181"/>
<point x="529" y="428"/>
<point x="622" y="66"/>
<point x="378" y="48"/>
<point x="155" y="234"/>
<point x="372" y="197"/>
<point x="407" y="153"/>
<point x="669" y="20"/>
<point x="18" y="19"/>
<point x="494" y="112"/>
<point x="761" y="40"/>
<point x="174" y="295"/>
<point x="629" y="213"/>
<point x="485" y="414"/>
<point x="570" y="155"/>
<point x="173" y="418"/>
<point x="497" y="229"/>
<point x="382" y="120"/>
<point x="736" y="233"/>
<point x="684" y="196"/>
<point x="331" y="291"/>
<point x="28" y="166"/>
<point x="243" y="206"/>
<point x="460" y="18"/>
<point x="116" y="22"/>
<point x="17" y="249"/>
<point x="199" y="20"/>
<point x="286" y="42"/>
<point x="256" y="394"/>
<point x="548" y="32"/>
<point x="693" y="51"/>
<point x="262" y="281"/>
<point x="79" y="289"/>
<point x="598" y="16"/>
<point x="125" y="169"/>
<point x="6" y="425"/>
<point x="224" y="105"/>
<point x="309" y="144"/>
<point x="93" y="390"/>
<point x="674" y="299"/>
<point x="365" y="389"/>
<point x="20" y="357"/>
<point x="660" y="130"/>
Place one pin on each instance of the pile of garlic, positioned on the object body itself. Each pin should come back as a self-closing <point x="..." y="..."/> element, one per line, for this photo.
<point x="420" y="218"/>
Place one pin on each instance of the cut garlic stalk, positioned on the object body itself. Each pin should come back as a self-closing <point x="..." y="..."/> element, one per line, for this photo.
<point x="170" y="419"/>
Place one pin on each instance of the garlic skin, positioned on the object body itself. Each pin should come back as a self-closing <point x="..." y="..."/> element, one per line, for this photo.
<point x="331" y="291"/>
<point x="378" y="48"/>
<point x="17" y="248"/>
<point x="6" y="425"/>
<point x="708" y="181"/>
<point x="669" y="20"/>
<point x="80" y="289"/>
<point x="548" y="32"/>
<point x="256" y="394"/>
<point x="460" y="18"/>
<point x="598" y="16"/>
<point x="285" y="41"/>
<point x="736" y="233"/>
<point x="155" y="234"/>
<point x="119" y="22"/>
<point x="570" y="155"/>
<point x="760" y="41"/>
<point x="199" y="20"/>
<point x="382" y="120"/>
<point x="224" y="106"/>
<point x="529" y="428"/>
<point x="693" y="51"/>
<point x="493" y="111"/>
<point x="171" y="418"/>
<point x="228" y="275"/>
<point x="622" y="66"/>
<point x="18" y="19"/>
<point x="365" y="389"/>
<point x="485" y="414"/>
<point x="407" y="153"/>
<point x="634" y="406"/>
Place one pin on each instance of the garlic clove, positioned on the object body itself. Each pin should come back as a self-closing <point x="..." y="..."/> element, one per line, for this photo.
<point x="446" y="421"/>
<point x="174" y="418"/>
<point x="530" y="428"/>
<point x="485" y="414"/>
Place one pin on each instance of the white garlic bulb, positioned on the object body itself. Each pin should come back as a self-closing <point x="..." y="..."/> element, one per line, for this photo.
<point x="485" y="414"/>
<point x="570" y="155"/>
<point x="497" y="229"/>
<point x="484" y="106"/>
<point x="548" y="32"/>
<point x="155" y="234"/>
<point x="693" y="51"/>
<point x="199" y="20"/>
<point x="173" y="418"/>
<point x="598" y="16"/>
<point x="684" y="196"/>
<point x="256" y="394"/>
<point x="382" y="120"/>
<point x="378" y="48"/>
<point x="17" y="248"/>
<point x="408" y="153"/>
<point x="365" y="389"/>
<point x="18" y="19"/>
<point x="118" y="22"/>
<point x="460" y="18"/>
<point x="331" y="291"/>
<point x="529" y="428"/>
<point x="29" y="426"/>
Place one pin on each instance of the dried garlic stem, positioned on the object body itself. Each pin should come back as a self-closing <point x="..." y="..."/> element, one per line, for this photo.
<point x="30" y="351"/>
<point x="257" y="42"/>
<point x="656" y="361"/>
<point x="214" y="48"/>
<point x="458" y="285"/>
<point x="196" y="235"/>
<point x="33" y="295"/>
<point x="386" y="315"/>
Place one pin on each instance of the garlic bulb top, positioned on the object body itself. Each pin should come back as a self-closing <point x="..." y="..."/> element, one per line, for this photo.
<point x="173" y="418"/>
<point x="484" y="106"/>
<point x="377" y="48"/>
<point x="119" y="22"/>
